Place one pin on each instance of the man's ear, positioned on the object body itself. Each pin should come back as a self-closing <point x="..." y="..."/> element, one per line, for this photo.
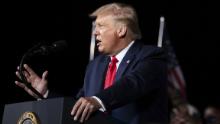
<point x="122" y="30"/>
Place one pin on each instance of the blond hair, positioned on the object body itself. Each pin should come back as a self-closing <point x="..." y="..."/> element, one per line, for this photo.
<point x="123" y="13"/>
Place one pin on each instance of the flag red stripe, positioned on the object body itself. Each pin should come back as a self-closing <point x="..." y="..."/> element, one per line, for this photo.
<point x="179" y="81"/>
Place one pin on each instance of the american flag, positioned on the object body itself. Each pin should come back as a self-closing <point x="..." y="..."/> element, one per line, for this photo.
<point x="175" y="75"/>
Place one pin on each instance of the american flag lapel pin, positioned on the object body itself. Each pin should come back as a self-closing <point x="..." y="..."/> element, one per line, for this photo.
<point x="128" y="61"/>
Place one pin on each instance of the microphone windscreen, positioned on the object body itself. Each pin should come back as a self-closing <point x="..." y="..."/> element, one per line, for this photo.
<point x="58" y="46"/>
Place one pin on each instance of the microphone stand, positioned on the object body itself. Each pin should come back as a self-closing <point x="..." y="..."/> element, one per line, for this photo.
<point x="21" y="71"/>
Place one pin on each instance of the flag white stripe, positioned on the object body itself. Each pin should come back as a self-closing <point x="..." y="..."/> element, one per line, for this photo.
<point x="180" y="75"/>
<point x="173" y="80"/>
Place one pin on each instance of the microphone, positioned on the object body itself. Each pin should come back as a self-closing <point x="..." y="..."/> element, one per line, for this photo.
<point x="46" y="50"/>
<point x="39" y="50"/>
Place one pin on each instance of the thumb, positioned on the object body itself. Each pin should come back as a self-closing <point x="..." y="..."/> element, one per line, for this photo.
<point x="45" y="75"/>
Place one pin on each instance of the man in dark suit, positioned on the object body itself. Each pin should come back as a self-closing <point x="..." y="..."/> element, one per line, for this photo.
<point x="127" y="81"/>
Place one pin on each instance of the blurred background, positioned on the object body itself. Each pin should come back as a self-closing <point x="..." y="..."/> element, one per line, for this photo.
<point x="192" y="27"/>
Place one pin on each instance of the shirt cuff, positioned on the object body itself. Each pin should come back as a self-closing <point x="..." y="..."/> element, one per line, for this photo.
<point x="45" y="95"/>
<point x="103" y="109"/>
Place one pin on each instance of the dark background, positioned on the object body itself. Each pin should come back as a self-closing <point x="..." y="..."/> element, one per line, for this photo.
<point x="192" y="26"/>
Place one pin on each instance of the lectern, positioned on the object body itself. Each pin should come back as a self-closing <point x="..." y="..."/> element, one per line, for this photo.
<point x="49" y="111"/>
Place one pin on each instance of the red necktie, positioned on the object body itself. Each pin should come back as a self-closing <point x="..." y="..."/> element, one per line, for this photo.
<point x="110" y="75"/>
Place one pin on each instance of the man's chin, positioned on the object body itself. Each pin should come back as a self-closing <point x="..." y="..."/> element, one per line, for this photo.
<point x="102" y="51"/>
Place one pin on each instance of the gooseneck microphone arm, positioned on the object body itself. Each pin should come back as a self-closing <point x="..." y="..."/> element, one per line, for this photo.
<point x="39" y="49"/>
<point x="21" y="71"/>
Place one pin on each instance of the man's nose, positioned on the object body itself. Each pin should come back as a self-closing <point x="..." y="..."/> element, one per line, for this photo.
<point x="95" y="32"/>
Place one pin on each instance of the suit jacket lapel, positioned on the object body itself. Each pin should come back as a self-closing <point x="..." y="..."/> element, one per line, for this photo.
<point x="128" y="59"/>
<point x="123" y="65"/>
<point x="101" y="72"/>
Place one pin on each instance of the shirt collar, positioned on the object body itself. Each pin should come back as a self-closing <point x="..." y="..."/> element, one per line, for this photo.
<point x="122" y="53"/>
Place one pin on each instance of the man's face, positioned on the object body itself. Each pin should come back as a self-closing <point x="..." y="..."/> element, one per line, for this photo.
<point x="106" y="34"/>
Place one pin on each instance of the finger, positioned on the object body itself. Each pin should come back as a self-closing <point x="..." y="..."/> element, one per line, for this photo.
<point x="18" y="75"/>
<point x="79" y="111"/>
<point x="31" y="92"/>
<point x="26" y="89"/>
<point x="90" y="112"/>
<point x="26" y="74"/>
<point x="75" y="107"/>
<point x="23" y="70"/>
<point x="28" y="77"/>
<point x="20" y="84"/>
<point x="85" y="112"/>
<point x="29" y="70"/>
<point x="44" y="75"/>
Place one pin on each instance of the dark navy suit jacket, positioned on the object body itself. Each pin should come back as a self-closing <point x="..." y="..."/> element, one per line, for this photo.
<point x="139" y="93"/>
